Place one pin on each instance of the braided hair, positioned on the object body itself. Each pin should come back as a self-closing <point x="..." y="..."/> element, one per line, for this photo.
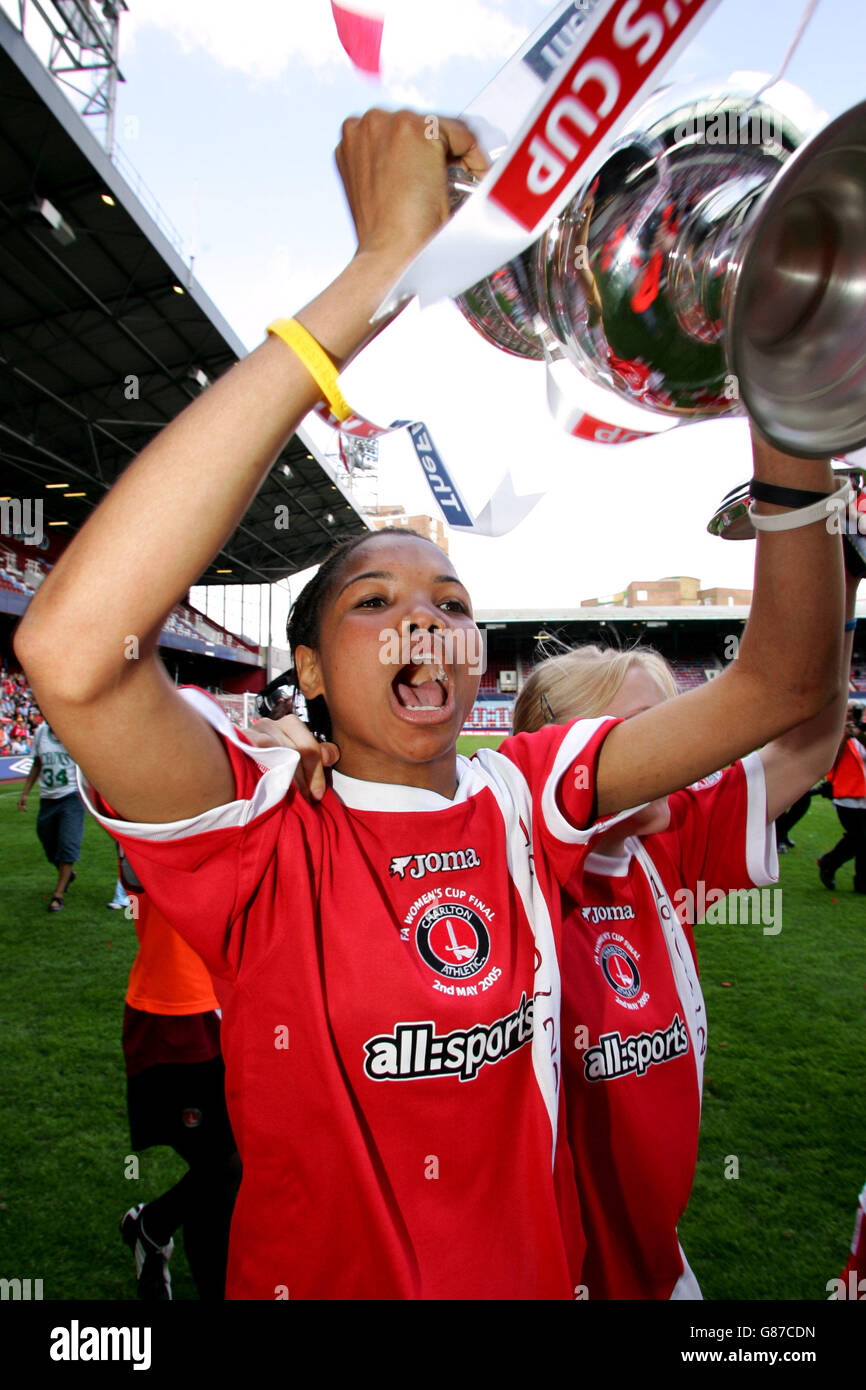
<point x="303" y="628"/>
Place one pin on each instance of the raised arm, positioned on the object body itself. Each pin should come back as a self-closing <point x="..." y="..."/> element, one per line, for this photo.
<point x="787" y="671"/>
<point x="150" y="755"/>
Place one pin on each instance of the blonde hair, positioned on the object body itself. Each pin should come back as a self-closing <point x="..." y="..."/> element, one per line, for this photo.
<point x="581" y="683"/>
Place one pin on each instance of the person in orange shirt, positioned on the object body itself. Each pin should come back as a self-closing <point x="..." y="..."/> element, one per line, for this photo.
<point x="848" y="788"/>
<point x="176" y="1096"/>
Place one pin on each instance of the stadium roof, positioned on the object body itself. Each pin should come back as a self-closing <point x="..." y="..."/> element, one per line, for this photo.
<point x="610" y="614"/>
<point x="94" y="294"/>
<point x="640" y="616"/>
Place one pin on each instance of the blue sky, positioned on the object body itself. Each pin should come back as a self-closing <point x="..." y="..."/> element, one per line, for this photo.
<point x="231" y="112"/>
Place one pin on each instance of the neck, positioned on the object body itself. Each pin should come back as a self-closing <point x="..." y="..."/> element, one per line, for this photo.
<point x="439" y="775"/>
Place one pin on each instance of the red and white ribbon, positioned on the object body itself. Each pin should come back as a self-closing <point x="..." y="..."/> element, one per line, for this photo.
<point x="502" y="511"/>
<point x="611" y="67"/>
<point x="590" y="412"/>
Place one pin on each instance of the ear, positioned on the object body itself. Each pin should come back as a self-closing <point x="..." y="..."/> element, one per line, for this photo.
<point x="308" y="673"/>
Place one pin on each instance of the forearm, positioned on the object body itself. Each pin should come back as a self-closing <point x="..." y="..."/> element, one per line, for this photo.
<point x="174" y="508"/>
<point x="798" y="759"/>
<point x="793" y="639"/>
<point x="787" y="670"/>
<point x="32" y="778"/>
<point x="821" y="735"/>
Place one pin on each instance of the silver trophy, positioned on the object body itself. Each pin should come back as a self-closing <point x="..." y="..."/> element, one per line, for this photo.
<point x="716" y="259"/>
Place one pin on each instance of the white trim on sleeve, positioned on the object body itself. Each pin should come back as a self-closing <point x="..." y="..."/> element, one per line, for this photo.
<point x="576" y="739"/>
<point x="762" y="860"/>
<point x="278" y="765"/>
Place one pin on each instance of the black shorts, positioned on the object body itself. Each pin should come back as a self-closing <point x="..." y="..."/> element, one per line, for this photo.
<point x="182" y="1105"/>
<point x="60" y="827"/>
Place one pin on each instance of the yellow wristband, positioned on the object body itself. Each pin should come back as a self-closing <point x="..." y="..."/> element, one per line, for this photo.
<point x="316" y="361"/>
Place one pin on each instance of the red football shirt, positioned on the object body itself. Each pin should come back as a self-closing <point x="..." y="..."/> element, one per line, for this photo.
<point x="634" y="1025"/>
<point x="387" y="965"/>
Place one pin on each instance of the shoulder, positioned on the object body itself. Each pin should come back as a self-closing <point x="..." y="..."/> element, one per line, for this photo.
<point x="554" y="746"/>
<point x="263" y="790"/>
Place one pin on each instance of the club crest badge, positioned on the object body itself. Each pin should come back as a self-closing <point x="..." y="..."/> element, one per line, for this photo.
<point x="618" y="962"/>
<point x="453" y="941"/>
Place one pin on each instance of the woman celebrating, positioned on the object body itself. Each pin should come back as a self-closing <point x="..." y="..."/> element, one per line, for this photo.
<point x="633" y="1019"/>
<point x="385" y="947"/>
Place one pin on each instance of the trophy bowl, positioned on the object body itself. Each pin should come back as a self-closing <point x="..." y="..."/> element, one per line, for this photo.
<point x="715" y="262"/>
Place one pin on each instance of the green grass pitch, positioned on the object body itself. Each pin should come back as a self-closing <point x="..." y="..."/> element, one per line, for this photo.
<point x="784" y="1081"/>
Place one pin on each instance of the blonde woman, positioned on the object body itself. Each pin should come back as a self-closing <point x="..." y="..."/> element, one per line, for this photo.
<point x="633" y="1018"/>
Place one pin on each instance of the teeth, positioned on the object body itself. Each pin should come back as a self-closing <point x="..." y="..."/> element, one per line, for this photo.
<point x="422" y="673"/>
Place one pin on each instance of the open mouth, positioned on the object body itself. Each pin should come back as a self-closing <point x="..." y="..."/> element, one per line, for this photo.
<point x="423" y="693"/>
<point x="422" y="686"/>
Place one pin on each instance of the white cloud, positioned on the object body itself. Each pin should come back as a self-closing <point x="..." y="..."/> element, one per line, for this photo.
<point x="420" y="37"/>
<point x="263" y="37"/>
<point x="408" y="94"/>
<point x="259" y="39"/>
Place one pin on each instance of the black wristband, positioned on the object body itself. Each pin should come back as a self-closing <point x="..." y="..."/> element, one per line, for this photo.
<point x="784" y="496"/>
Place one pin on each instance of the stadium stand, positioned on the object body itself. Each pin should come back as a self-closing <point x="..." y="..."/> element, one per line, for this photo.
<point x="697" y="643"/>
<point x="19" y="713"/>
<point x="196" y="649"/>
<point x="690" y="674"/>
<point x="115" y="289"/>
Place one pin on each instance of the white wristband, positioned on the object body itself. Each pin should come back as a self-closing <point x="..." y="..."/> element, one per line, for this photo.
<point x="802" y="516"/>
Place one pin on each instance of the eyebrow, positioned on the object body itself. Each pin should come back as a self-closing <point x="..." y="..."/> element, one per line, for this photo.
<point x="387" y="574"/>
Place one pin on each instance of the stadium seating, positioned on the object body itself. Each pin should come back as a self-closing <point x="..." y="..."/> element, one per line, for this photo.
<point x="690" y="674"/>
<point x="490" y="716"/>
<point x="492" y="710"/>
<point x="22" y="573"/>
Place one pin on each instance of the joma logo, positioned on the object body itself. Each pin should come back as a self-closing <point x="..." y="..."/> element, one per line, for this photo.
<point x="618" y="913"/>
<point x="439" y="862"/>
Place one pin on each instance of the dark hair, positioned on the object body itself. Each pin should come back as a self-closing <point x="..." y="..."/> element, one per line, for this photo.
<point x="305" y="617"/>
